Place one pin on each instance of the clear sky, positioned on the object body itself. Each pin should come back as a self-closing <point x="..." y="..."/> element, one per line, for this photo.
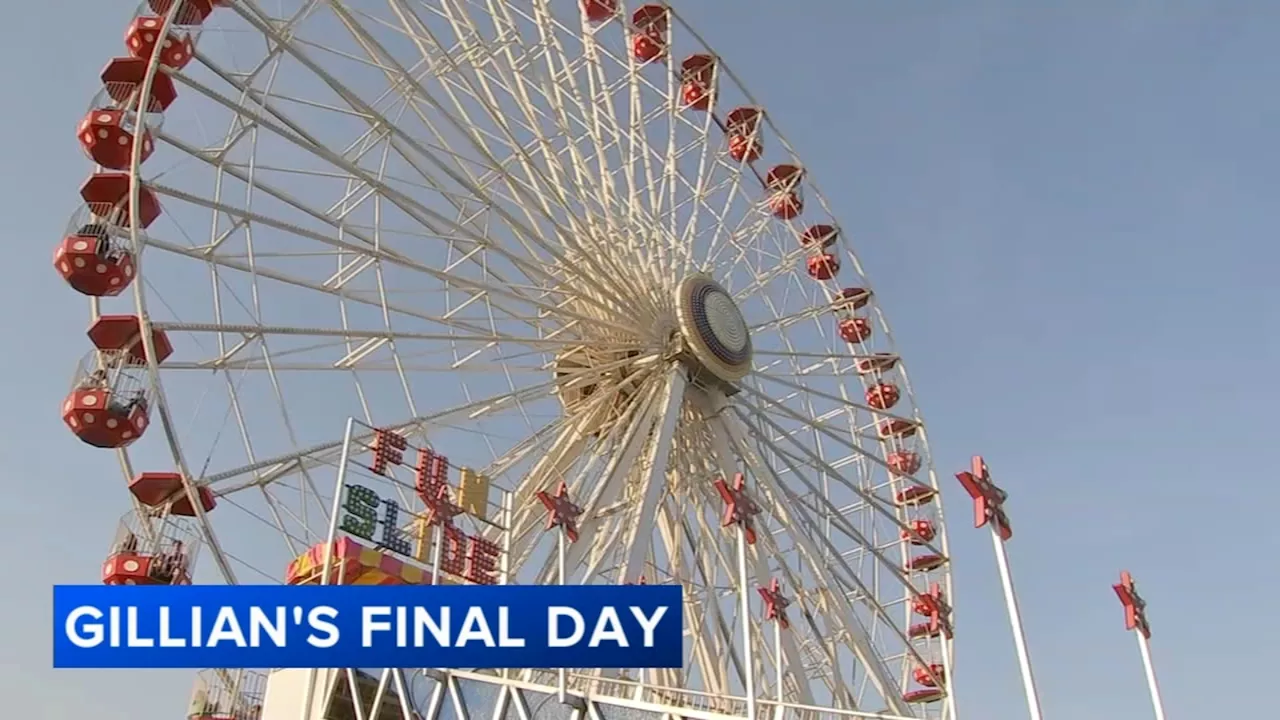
<point x="1064" y="209"/>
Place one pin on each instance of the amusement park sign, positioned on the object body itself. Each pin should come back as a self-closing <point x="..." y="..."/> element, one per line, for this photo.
<point x="378" y="520"/>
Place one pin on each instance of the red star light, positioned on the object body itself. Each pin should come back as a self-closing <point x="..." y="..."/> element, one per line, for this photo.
<point x="739" y="508"/>
<point x="775" y="603"/>
<point x="988" y="500"/>
<point x="1135" y="608"/>
<point x="561" y="512"/>
<point x="933" y="605"/>
<point x="441" y="510"/>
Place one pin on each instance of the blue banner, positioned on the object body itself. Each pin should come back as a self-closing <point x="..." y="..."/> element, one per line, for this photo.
<point x="399" y="626"/>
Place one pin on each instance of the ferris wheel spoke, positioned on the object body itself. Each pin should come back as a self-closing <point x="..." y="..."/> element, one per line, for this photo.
<point x="599" y="559"/>
<point x="829" y="356"/>
<point x="858" y="638"/>
<point x="603" y="529"/>
<point x="335" y="285"/>
<point x="566" y="378"/>
<point x="702" y="593"/>
<point x="839" y="399"/>
<point x="527" y="522"/>
<point x="510" y="82"/>
<point x="550" y="572"/>
<point x="548" y="439"/>
<point x="622" y="446"/>
<point x="713" y="652"/>
<point x="712" y="634"/>
<point x="791" y="661"/>
<point x="627" y="133"/>
<point x="364" y="367"/>
<point x="745" y="248"/>
<point x="637" y="170"/>
<point x="721" y="237"/>
<point x="881" y="506"/>
<point x="748" y="237"/>
<point x="701" y="187"/>
<point x="618" y="448"/>
<point x="397" y="73"/>
<point x="696" y="244"/>
<point x="638" y="147"/>
<point x="442" y="227"/>
<point x="834" y="366"/>
<point x="568" y="440"/>
<point x="784" y="321"/>
<point x="307" y="485"/>
<point x="784" y="266"/>
<point x="475" y="287"/>
<point x="632" y="434"/>
<point x="558" y="64"/>
<point x="323" y="458"/>
<point x="272" y="469"/>
<point x="806" y="510"/>
<point x="278" y="512"/>
<point x="358" y="334"/>
<point x="455" y="325"/>
<point x="800" y="510"/>
<point x="640" y="533"/>
<point x="631" y="89"/>
<point x="728" y="459"/>
<point x="770" y="406"/>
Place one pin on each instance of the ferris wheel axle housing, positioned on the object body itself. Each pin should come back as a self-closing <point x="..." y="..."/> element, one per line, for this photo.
<point x="715" y="344"/>
<point x="710" y="340"/>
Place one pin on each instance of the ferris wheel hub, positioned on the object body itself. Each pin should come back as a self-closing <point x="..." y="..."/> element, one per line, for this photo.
<point x="715" y="334"/>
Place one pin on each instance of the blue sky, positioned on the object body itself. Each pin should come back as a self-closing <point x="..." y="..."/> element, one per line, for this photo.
<point x="1063" y="207"/>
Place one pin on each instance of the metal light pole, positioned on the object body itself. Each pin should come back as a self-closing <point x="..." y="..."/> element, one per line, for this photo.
<point x="739" y="508"/>
<point x="988" y="509"/>
<point x="775" y="609"/>
<point x="1135" y="618"/>
<point x="561" y="514"/>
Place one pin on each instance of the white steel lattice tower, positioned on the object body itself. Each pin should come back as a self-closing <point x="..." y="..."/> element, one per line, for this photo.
<point x="552" y="257"/>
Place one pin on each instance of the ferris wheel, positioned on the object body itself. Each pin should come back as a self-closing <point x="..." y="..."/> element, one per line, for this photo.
<point x="562" y="271"/>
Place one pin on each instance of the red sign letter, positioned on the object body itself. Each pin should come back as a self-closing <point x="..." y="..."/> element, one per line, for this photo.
<point x="388" y="449"/>
<point x="482" y="561"/>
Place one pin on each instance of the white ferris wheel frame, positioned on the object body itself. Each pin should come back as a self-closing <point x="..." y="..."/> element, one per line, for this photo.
<point x="736" y="445"/>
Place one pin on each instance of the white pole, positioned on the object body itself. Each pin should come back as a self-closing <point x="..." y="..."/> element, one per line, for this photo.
<point x="1015" y="622"/>
<point x="335" y="513"/>
<point x="437" y="552"/>
<point x="504" y="562"/>
<point x="1145" y="645"/>
<point x="560" y="559"/>
<point x="777" y="656"/>
<point x="749" y="661"/>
